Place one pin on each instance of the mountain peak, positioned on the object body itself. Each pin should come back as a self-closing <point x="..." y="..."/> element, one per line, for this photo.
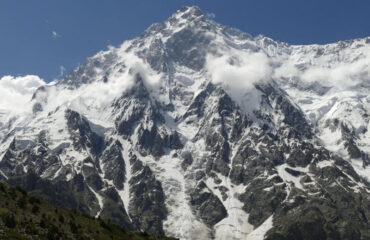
<point x="182" y="17"/>
<point x="190" y="10"/>
<point x="187" y="13"/>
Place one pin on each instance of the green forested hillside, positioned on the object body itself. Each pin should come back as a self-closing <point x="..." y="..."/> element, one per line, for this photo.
<point x="23" y="216"/>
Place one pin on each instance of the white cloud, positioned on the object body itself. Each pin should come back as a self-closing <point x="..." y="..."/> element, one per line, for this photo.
<point x="94" y="98"/>
<point x="339" y="75"/>
<point x="55" y="35"/>
<point x="62" y="70"/>
<point x="238" y="73"/>
<point x="16" y="92"/>
<point x="286" y="70"/>
<point x="342" y="75"/>
<point x="211" y="15"/>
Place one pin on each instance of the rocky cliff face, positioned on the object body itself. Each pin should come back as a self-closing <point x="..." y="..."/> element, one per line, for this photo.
<point x="199" y="131"/>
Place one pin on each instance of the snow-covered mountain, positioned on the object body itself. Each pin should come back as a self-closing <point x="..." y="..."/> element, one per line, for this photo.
<point x="200" y="131"/>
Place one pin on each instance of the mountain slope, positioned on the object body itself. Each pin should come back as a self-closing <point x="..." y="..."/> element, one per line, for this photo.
<point x="24" y="216"/>
<point x="198" y="130"/>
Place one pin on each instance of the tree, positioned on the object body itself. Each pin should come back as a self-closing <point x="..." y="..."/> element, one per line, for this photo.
<point x="9" y="220"/>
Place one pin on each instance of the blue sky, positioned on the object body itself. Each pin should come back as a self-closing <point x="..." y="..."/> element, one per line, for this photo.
<point x="43" y="37"/>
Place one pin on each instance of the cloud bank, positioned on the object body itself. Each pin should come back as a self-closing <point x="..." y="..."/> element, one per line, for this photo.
<point x="16" y="92"/>
<point x="238" y="73"/>
<point x="338" y="74"/>
<point x="94" y="98"/>
<point x="341" y="75"/>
